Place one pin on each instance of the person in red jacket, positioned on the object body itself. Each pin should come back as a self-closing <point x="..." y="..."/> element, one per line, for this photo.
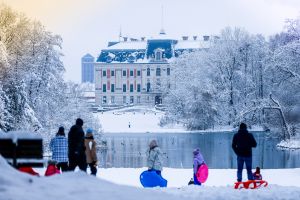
<point x="51" y="169"/>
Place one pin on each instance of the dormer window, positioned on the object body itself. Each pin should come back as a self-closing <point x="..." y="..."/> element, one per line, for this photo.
<point x="158" y="54"/>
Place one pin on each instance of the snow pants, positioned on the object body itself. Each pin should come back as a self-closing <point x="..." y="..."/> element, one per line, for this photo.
<point x="240" y="165"/>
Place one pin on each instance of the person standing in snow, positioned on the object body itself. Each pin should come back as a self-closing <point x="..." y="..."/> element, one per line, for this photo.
<point x="242" y="144"/>
<point x="76" y="147"/>
<point x="59" y="148"/>
<point x="90" y="151"/>
<point x="154" y="158"/>
<point x="198" y="161"/>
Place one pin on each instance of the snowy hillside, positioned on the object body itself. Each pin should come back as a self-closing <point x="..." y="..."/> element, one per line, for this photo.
<point x="78" y="186"/>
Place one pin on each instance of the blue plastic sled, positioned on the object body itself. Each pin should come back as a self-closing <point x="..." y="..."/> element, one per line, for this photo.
<point x="152" y="179"/>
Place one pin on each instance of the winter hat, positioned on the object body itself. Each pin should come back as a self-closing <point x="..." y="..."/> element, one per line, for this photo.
<point x="89" y="130"/>
<point x="153" y="144"/>
<point x="196" y="151"/>
<point x="243" y="126"/>
<point x="61" y="131"/>
<point x="79" y="122"/>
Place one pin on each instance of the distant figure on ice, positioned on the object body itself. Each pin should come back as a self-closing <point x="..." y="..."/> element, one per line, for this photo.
<point x="242" y="144"/>
<point x="59" y="148"/>
<point x="76" y="147"/>
<point x="198" y="161"/>
<point x="51" y="169"/>
<point x="154" y="157"/>
<point x="257" y="175"/>
<point x="128" y="124"/>
<point x="90" y="151"/>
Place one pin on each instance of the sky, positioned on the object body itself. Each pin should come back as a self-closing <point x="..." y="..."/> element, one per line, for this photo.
<point x="86" y="26"/>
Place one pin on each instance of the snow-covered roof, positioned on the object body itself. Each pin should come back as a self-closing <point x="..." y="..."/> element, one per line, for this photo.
<point x="192" y="44"/>
<point x="143" y="51"/>
<point x="132" y="45"/>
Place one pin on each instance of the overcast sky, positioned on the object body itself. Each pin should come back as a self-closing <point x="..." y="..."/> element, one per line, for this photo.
<point x="87" y="25"/>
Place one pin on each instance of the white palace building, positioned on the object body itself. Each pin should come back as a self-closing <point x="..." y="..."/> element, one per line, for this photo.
<point x="134" y="71"/>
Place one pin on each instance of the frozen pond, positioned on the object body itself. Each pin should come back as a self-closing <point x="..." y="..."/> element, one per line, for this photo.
<point x="128" y="150"/>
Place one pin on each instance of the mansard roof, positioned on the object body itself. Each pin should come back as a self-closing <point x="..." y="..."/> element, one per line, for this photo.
<point x="143" y="51"/>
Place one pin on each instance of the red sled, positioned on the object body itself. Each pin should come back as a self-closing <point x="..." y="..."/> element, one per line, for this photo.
<point x="251" y="184"/>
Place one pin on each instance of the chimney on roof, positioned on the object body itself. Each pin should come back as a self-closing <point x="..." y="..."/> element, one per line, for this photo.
<point x="125" y="39"/>
<point x="205" y="37"/>
<point x="185" y="37"/>
<point x="195" y="37"/>
<point x="143" y="38"/>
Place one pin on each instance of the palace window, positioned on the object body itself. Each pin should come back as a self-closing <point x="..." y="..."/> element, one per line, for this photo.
<point x="112" y="99"/>
<point x="124" y="87"/>
<point x="158" y="71"/>
<point x="148" y="71"/>
<point x="112" y="89"/>
<point x="131" y="99"/>
<point x="138" y="87"/>
<point x="138" y="99"/>
<point x="104" y="100"/>
<point x="104" y="73"/>
<point x="112" y="73"/>
<point x="148" y="87"/>
<point x="168" y="71"/>
<point x="131" y="87"/>
<point x="124" y="72"/>
<point x="104" y="88"/>
<point x="138" y="73"/>
<point x="131" y="72"/>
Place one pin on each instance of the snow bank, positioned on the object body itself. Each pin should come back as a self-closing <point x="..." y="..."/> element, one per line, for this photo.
<point x="289" y="144"/>
<point x="77" y="186"/>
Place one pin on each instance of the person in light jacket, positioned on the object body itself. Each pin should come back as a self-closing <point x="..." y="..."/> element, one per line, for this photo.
<point x="154" y="157"/>
<point x="198" y="161"/>
<point x="90" y="151"/>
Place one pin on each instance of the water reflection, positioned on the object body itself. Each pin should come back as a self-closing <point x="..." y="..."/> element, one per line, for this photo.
<point x="128" y="150"/>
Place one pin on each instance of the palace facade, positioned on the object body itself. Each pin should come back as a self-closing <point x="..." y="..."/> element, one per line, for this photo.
<point x="134" y="71"/>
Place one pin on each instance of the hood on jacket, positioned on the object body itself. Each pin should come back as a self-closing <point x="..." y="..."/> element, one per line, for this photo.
<point x="196" y="151"/>
<point x="153" y="144"/>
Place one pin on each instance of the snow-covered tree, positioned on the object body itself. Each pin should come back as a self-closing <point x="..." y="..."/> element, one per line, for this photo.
<point x="33" y="94"/>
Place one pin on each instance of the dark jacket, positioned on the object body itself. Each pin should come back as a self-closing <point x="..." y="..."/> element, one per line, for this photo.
<point x="242" y="143"/>
<point x="76" y="141"/>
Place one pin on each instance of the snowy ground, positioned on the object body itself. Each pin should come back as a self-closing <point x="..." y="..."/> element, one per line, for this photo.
<point x="77" y="185"/>
<point x="140" y="118"/>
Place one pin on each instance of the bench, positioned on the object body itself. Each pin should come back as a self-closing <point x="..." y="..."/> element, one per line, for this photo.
<point x="22" y="149"/>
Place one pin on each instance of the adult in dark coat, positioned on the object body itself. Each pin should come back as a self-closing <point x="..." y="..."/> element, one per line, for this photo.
<point x="76" y="147"/>
<point x="242" y="144"/>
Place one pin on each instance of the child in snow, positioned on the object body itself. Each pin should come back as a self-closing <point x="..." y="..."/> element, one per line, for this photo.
<point x="51" y="169"/>
<point x="90" y="151"/>
<point x="28" y="170"/>
<point x="198" y="161"/>
<point x="154" y="157"/>
<point x="257" y="175"/>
